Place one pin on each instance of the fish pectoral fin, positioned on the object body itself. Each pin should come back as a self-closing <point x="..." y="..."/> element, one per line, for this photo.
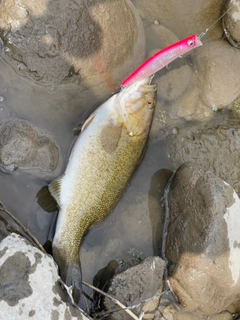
<point x="110" y="137"/>
<point x="88" y="121"/>
<point x="55" y="190"/>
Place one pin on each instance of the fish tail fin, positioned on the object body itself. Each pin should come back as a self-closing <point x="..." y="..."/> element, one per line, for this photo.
<point x="73" y="277"/>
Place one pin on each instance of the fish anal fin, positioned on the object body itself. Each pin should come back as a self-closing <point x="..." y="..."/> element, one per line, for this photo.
<point x="55" y="190"/>
<point x="110" y="137"/>
<point x="88" y="121"/>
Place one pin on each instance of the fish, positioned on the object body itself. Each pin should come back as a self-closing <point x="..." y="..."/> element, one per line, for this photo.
<point x="109" y="148"/>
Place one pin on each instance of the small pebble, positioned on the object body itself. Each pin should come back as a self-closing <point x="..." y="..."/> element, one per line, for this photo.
<point x="175" y="130"/>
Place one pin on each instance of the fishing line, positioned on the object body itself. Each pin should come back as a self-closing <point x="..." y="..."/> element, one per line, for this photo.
<point x="206" y="31"/>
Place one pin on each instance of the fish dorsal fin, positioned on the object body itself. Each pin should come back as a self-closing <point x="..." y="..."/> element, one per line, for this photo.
<point x="88" y="121"/>
<point x="55" y="190"/>
<point x="110" y="136"/>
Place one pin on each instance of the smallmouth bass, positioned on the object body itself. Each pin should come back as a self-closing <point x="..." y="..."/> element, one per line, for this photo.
<point x="109" y="148"/>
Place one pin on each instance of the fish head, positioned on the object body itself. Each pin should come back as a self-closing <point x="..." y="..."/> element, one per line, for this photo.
<point x="136" y="105"/>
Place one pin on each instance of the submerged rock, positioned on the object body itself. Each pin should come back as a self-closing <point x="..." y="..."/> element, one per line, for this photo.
<point x="192" y="17"/>
<point x="170" y="312"/>
<point x="54" y="42"/>
<point x="29" y="287"/>
<point x="136" y="284"/>
<point x="25" y="147"/>
<point x="215" y="145"/>
<point x="203" y="240"/>
<point x="219" y="81"/>
<point x="231" y="22"/>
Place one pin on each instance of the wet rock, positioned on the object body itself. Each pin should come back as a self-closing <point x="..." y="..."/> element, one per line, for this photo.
<point x="221" y="316"/>
<point x="72" y="41"/>
<point x="25" y="147"/>
<point x="231" y="22"/>
<point x="104" y="276"/>
<point x="219" y="81"/>
<point x="174" y="81"/>
<point x="185" y="106"/>
<point x="29" y="287"/>
<point x="170" y="310"/>
<point x="191" y="17"/>
<point x="173" y="313"/>
<point x="203" y="240"/>
<point x="159" y="36"/>
<point x="203" y="112"/>
<point x="135" y="285"/>
<point x="215" y="145"/>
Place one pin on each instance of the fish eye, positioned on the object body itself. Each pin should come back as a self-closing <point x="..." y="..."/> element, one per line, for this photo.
<point x="150" y="104"/>
<point x="190" y="43"/>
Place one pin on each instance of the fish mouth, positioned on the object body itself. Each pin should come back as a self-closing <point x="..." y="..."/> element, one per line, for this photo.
<point x="145" y="81"/>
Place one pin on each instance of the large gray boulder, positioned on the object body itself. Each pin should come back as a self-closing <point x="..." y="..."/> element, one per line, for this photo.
<point x="231" y="22"/>
<point x="203" y="240"/>
<point x="214" y="144"/>
<point x="218" y="81"/>
<point x="29" y="284"/>
<point x="136" y="284"/>
<point x="52" y="42"/>
<point x="192" y="17"/>
<point x="24" y="146"/>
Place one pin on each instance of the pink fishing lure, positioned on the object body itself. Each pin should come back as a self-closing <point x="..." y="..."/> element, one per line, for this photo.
<point x="162" y="58"/>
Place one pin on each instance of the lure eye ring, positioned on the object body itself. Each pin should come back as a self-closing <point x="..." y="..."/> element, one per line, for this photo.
<point x="190" y="43"/>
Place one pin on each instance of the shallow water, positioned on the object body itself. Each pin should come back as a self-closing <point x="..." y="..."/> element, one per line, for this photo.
<point x="58" y="110"/>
